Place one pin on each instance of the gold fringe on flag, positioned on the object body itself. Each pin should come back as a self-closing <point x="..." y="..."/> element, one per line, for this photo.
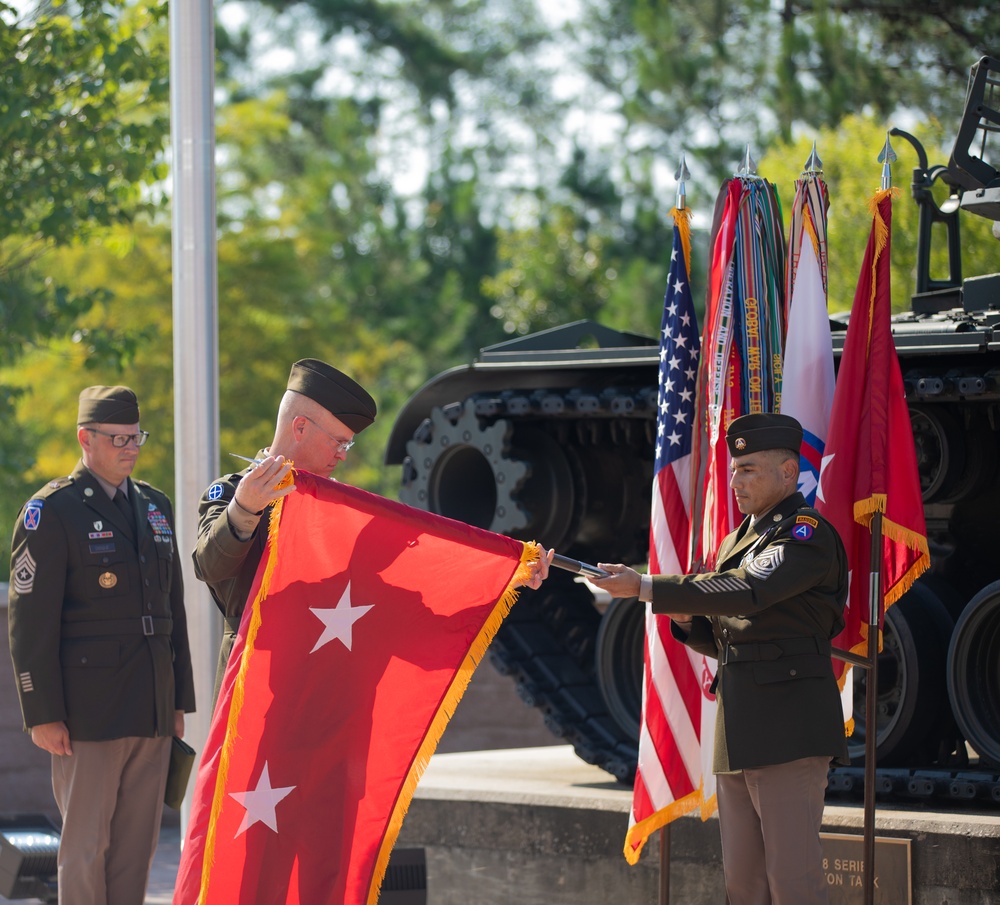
<point x="635" y="838"/>
<point x="531" y="553"/>
<point x="236" y="704"/>
<point x="682" y="220"/>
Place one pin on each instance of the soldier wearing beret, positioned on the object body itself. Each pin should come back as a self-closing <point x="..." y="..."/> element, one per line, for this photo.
<point x="768" y="614"/>
<point x="98" y="636"/>
<point x="319" y="414"/>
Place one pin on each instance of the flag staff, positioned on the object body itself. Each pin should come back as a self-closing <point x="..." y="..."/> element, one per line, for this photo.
<point x="871" y="705"/>
<point x="813" y="165"/>
<point x="886" y="158"/>
<point x="682" y="174"/>
<point x="748" y="166"/>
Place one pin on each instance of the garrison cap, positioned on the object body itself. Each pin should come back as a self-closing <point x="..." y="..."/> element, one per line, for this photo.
<point x="108" y="405"/>
<point x="753" y="433"/>
<point x="335" y="391"/>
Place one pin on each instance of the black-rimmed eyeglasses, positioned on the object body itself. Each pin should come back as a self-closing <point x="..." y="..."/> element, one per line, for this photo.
<point x="120" y="441"/>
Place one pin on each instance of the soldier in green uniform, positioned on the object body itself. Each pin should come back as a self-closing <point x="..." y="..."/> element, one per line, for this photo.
<point x="319" y="414"/>
<point x="768" y="613"/>
<point x="98" y="636"/>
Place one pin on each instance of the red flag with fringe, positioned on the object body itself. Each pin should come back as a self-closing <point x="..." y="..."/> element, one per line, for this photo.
<point x="869" y="429"/>
<point x="364" y="625"/>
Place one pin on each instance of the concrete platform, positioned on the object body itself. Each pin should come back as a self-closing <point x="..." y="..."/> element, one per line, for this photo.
<point x="538" y="826"/>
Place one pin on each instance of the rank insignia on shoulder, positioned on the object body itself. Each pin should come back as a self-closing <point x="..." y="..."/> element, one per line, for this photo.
<point x="765" y="562"/>
<point x="807" y="520"/>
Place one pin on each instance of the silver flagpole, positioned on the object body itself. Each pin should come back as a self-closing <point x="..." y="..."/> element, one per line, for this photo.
<point x="195" y="325"/>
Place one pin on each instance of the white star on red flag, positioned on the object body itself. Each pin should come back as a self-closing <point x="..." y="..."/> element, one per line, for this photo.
<point x="338" y="621"/>
<point x="260" y="803"/>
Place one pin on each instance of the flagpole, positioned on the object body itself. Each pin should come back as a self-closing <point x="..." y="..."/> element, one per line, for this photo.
<point x="871" y="706"/>
<point x="886" y="158"/>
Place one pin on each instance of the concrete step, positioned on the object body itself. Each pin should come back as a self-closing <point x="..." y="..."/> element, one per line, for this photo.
<point x="537" y="826"/>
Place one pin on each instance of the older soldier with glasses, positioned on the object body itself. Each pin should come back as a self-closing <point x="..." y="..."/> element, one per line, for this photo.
<point x="319" y="414"/>
<point x="98" y="636"/>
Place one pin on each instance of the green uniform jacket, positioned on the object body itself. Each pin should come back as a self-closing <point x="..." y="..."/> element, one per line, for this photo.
<point x="768" y="614"/>
<point x="98" y="633"/>
<point x="225" y="563"/>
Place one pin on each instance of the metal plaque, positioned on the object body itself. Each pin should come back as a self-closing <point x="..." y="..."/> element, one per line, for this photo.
<point x="844" y="867"/>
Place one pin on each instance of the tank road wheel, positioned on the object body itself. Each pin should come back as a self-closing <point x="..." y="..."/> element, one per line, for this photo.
<point x="911" y="705"/>
<point x="974" y="673"/>
<point x="461" y="470"/>
<point x="514" y="483"/>
<point x="940" y="449"/>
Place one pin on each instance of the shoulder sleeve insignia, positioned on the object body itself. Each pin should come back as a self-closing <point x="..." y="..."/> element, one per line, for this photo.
<point x="216" y="491"/>
<point x="33" y="514"/>
<point x="765" y="562"/>
<point x="807" y="520"/>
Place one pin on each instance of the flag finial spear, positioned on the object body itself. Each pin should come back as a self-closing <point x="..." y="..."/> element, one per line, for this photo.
<point x="682" y="174"/>
<point x="748" y="166"/>
<point x="886" y="157"/>
<point x="813" y="166"/>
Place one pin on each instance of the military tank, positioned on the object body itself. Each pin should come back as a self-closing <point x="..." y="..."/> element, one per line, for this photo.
<point x="551" y="437"/>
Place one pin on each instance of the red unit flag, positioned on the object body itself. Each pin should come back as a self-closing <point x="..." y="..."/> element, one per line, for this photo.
<point x="365" y="623"/>
<point x="869" y="429"/>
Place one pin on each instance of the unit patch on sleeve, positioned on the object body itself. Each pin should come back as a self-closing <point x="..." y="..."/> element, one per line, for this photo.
<point x="802" y="532"/>
<point x="765" y="562"/>
<point x="33" y="514"/>
<point x="24" y="572"/>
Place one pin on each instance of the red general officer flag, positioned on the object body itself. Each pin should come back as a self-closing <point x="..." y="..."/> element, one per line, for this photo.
<point x="870" y="464"/>
<point x="365" y="623"/>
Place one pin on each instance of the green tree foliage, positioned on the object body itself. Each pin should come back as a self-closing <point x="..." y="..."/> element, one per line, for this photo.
<point x="710" y="77"/>
<point x="83" y="117"/>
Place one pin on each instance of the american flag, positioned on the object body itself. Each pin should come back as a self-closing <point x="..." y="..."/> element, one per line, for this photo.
<point x="667" y="783"/>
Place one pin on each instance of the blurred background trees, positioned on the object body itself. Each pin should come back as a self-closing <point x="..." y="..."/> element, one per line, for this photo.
<point x="403" y="183"/>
